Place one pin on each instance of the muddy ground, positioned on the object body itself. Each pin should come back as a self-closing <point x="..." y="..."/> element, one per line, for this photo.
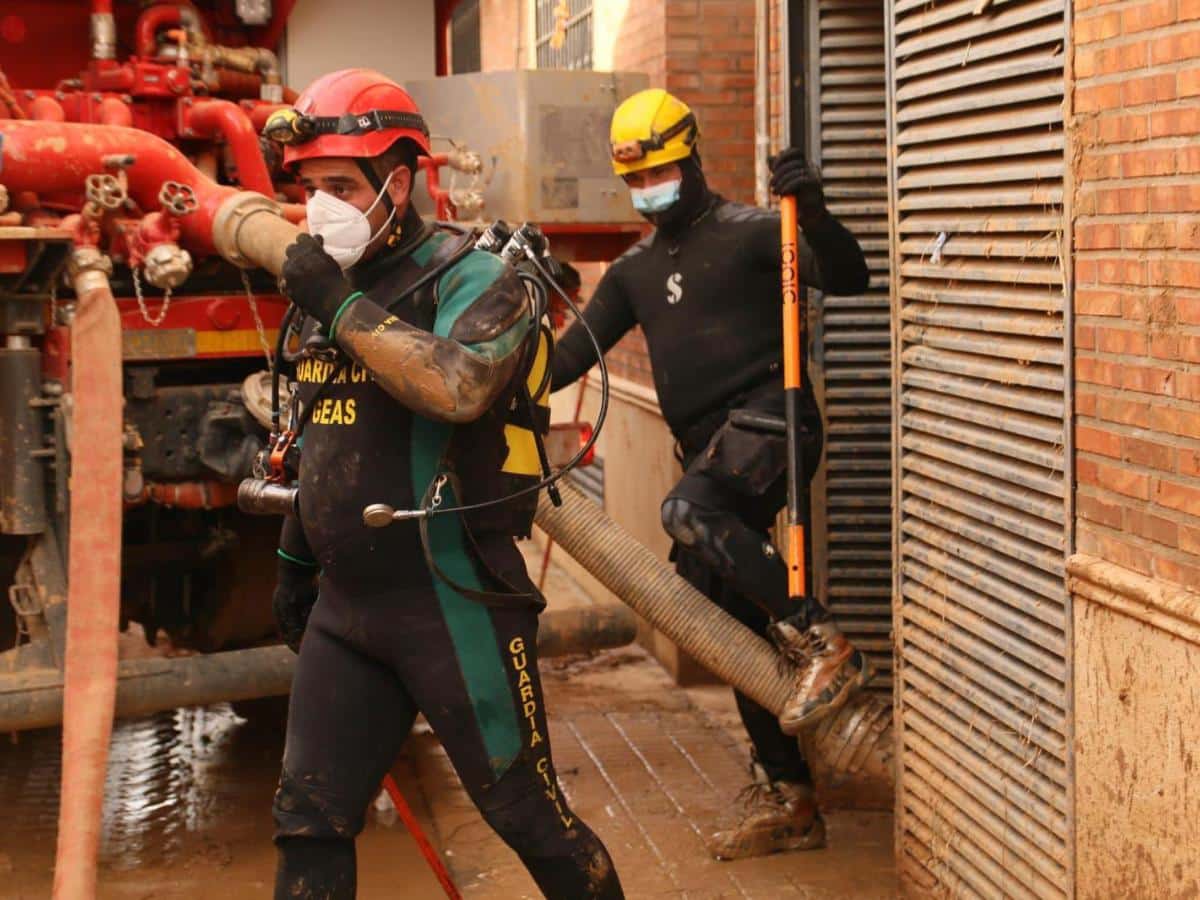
<point x="652" y="767"/>
<point x="188" y="808"/>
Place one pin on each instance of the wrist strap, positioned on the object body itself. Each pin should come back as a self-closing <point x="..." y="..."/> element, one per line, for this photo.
<point x="341" y="309"/>
<point x="287" y="557"/>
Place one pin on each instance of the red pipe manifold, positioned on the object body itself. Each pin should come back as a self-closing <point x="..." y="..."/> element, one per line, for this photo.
<point x="57" y="157"/>
<point x="213" y="118"/>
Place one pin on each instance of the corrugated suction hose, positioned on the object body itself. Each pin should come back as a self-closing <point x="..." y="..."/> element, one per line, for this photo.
<point x="694" y="623"/>
<point x="856" y="743"/>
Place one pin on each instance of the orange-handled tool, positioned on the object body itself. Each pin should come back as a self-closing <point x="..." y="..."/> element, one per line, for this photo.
<point x="793" y="384"/>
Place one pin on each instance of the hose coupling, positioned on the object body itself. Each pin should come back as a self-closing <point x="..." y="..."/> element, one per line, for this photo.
<point x="259" y="497"/>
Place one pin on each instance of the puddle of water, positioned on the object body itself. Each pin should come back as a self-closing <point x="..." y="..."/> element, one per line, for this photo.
<point x="187" y="806"/>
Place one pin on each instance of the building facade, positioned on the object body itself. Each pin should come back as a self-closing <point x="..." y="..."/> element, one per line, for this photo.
<point x="1008" y="514"/>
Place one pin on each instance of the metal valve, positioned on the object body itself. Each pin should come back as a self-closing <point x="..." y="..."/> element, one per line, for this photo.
<point x="178" y="199"/>
<point x="104" y="192"/>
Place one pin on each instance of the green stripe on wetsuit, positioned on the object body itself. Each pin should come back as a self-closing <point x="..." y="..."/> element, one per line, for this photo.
<point x="469" y="622"/>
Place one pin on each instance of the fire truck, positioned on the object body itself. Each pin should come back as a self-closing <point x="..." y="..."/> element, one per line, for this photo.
<point x="132" y="163"/>
<point x="123" y="127"/>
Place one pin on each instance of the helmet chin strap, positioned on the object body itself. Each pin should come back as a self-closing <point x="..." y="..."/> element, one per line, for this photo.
<point x="364" y="166"/>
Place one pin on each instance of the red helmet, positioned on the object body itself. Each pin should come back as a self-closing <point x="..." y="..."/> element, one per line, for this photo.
<point x="356" y="113"/>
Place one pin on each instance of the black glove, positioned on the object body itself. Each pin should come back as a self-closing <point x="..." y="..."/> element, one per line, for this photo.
<point x="792" y="176"/>
<point x="295" y="594"/>
<point x="313" y="280"/>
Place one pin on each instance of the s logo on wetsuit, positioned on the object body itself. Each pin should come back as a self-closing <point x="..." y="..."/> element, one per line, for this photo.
<point x="675" y="288"/>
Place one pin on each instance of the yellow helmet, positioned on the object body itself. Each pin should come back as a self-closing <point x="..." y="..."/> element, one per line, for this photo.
<point x="651" y="128"/>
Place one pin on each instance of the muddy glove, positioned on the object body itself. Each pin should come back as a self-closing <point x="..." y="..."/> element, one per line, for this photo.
<point x="313" y="280"/>
<point x="792" y="176"/>
<point x="295" y="594"/>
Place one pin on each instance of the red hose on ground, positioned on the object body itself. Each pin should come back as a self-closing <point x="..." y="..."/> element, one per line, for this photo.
<point x="418" y="835"/>
<point x="94" y="576"/>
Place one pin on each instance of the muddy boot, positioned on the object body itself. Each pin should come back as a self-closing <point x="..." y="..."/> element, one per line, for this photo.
<point x="829" y="671"/>
<point x="779" y="816"/>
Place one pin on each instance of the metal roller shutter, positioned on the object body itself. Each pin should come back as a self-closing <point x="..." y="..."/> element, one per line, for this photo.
<point x="852" y="350"/>
<point x="982" y="613"/>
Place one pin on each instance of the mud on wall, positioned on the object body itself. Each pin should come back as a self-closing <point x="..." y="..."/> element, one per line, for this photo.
<point x="1137" y="734"/>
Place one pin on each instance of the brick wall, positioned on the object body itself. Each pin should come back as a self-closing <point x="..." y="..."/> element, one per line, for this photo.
<point x="1137" y="296"/>
<point x="641" y="41"/>
<point x="502" y="35"/>
<point x="710" y="66"/>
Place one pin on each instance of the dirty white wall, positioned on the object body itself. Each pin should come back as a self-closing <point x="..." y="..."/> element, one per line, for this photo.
<point x="607" y="20"/>
<point x="394" y="36"/>
<point x="1137" y="727"/>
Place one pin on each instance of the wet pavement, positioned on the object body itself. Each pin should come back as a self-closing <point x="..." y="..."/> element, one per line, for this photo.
<point x="651" y="767"/>
<point x="187" y="808"/>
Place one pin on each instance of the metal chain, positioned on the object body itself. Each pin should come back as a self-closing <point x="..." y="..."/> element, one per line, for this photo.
<point x="258" y="322"/>
<point x="54" y="300"/>
<point x="155" y="320"/>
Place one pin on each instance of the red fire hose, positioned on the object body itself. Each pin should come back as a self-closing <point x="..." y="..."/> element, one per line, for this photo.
<point x="418" y="835"/>
<point x="94" y="575"/>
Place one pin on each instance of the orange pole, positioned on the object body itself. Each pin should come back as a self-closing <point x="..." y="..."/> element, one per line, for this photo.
<point x="793" y="383"/>
<point x="94" y="575"/>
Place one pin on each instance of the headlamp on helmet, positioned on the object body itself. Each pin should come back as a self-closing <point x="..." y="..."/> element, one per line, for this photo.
<point x="289" y="126"/>
<point x="628" y="152"/>
<point x="649" y="129"/>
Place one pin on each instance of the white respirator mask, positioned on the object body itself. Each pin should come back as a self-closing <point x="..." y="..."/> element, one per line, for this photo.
<point x="343" y="227"/>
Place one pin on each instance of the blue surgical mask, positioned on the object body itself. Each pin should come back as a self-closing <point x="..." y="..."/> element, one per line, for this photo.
<point x="657" y="198"/>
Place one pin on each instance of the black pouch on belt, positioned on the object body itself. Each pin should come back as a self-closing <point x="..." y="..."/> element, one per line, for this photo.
<point x="750" y="460"/>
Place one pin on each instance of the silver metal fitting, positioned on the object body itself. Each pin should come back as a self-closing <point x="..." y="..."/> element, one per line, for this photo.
<point x="259" y="497"/>
<point x="168" y="266"/>
<point x="88" y="269"/>
<point x="104" y="36"/>
<point x="380" y="515"/>
<point x="254" y="12"/>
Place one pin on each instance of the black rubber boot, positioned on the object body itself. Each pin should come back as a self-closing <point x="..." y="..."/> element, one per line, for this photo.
<point x="316" y="869"/>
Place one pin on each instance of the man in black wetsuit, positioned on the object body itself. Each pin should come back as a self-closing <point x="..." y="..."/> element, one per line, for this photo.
<point x="705" y="288"/>
<point x="415" y="344"/>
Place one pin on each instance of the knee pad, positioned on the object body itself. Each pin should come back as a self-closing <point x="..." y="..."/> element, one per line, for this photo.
<point x="699" y="530"/>
<point x="308" y="807"/>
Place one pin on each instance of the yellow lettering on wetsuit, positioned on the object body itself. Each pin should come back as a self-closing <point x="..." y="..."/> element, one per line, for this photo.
<point x="382" y="326"/>
<point x="520" y="661"/>
<point x="330" y="411"/>
<point x="318" y="371"/>
<point x="544" y="769"/>
<point x="520" y="664"/>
